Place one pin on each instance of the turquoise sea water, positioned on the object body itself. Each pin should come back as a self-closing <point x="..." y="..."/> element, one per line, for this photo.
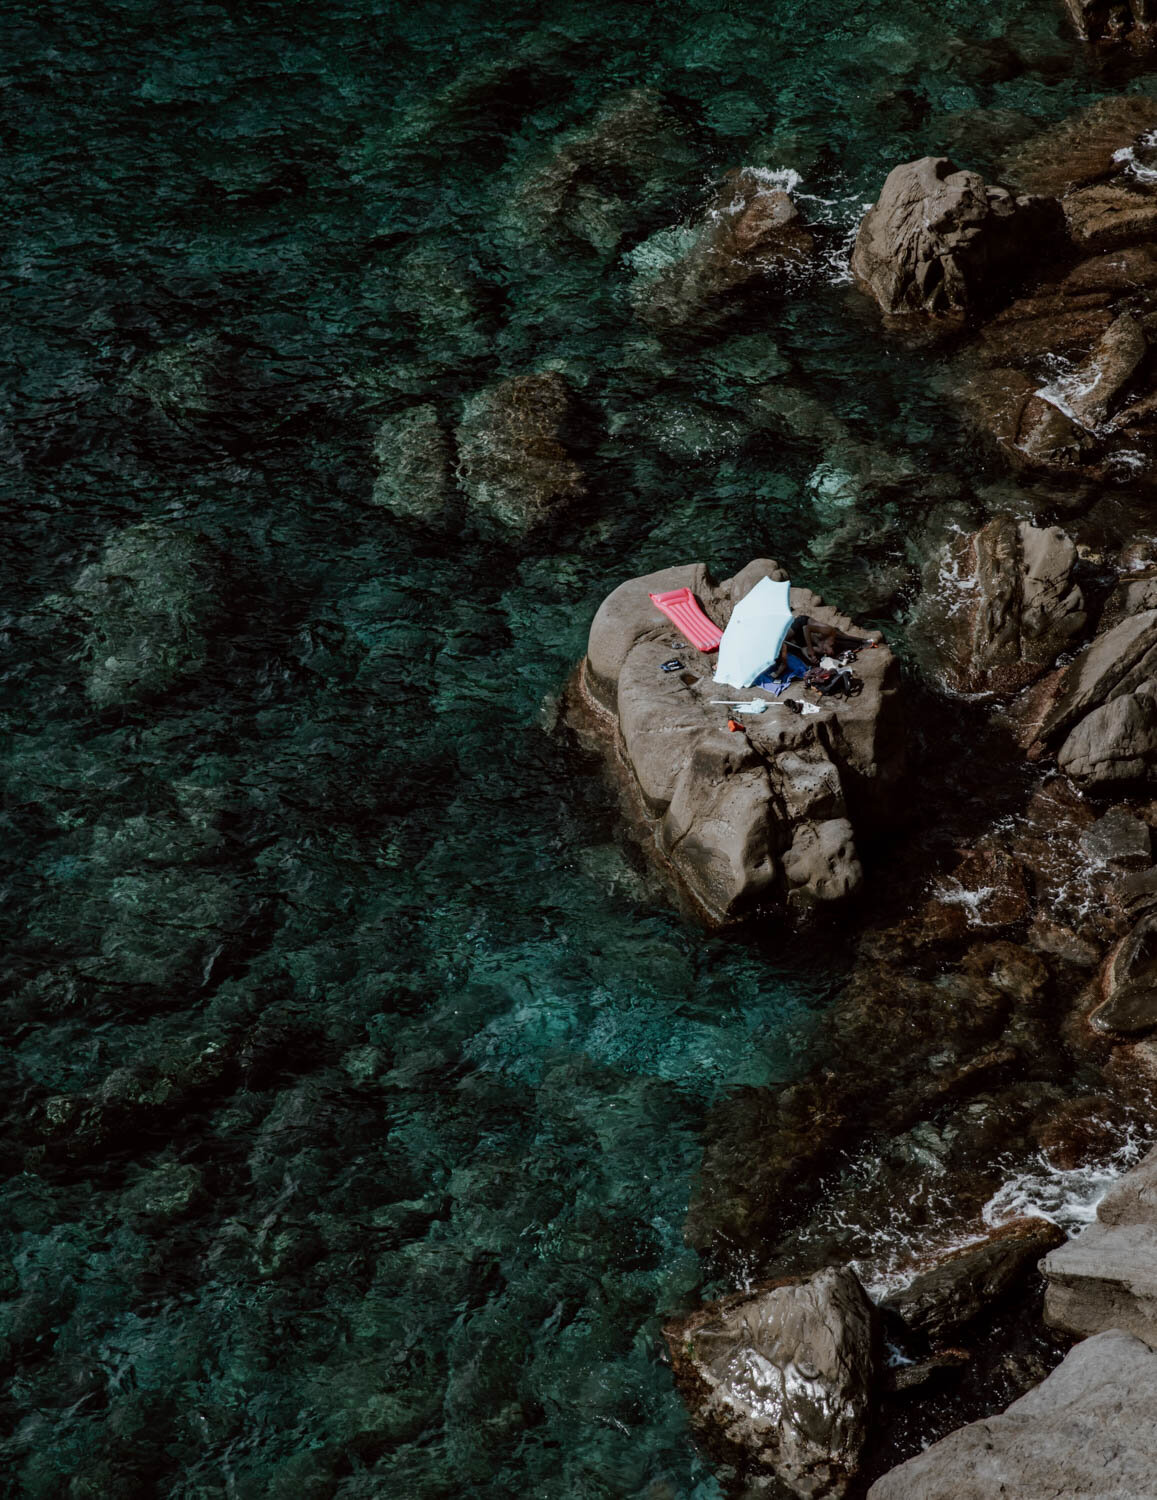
<point x="355" y="1070"/>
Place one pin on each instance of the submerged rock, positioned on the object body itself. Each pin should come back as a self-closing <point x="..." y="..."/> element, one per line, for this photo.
<point x="1106" y="1277"/>
<point x="740" y="818"/>
<point x="416" y="465"/>
<point x="1080" y="149"/>
<point x="751" y="232"/>
<point x="597" y="182"/>
<point x="149" y="604"/>
<point x="1089" y="1432"/>
<point x="942" y="1299"/>
<point x="513" y="460"/>
<point x="1000" y="605"/>
<point x="938" y="240"/>
<point x="785" y="1377"/>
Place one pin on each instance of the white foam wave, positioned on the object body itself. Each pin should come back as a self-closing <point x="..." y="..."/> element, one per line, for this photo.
<point x="1127" y="157"/>
<point x="1066" y="1197"/>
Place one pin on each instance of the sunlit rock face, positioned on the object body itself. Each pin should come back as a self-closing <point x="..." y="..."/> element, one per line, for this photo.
<point x="999" y="605"/>
<point x="785" y="1377"/>
<point x="738" y="819"/>
<point x="1088" y="1431"/>
<point x="940" y="240"/>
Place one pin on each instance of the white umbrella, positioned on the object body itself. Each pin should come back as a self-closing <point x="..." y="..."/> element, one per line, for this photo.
<point x="754" y="634"/>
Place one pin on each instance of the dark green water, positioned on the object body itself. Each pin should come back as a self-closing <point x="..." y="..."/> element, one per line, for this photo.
<point x="354" y="1073"/>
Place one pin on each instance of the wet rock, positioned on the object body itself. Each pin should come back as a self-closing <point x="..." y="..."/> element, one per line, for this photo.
<point x="1106" y="1277"/>
<point x="984" y="892"/>
<point x="938" y="240"/>
<point x="942" y="1299"/>
<point x="1083" y="1131"/>
<point x="149" y="605"/>
<point x="1120" y="839"/>
<point x="785" y="1377"/>
<point x="1128" y="984"/>
<point x="513" y="460"/>
<point x="1082" y="148"/>
<point x="1093" y="391"/>
<point x="1001" y="604"/>
<point x="1116" y="664"/>
<point x="597" y="183"/>
<point x="1089" y="1431"/>
<point x="1030" y="431"/>
<point x="416" y="465"/>
<point x="739" y="818"/>
<point x="1109" y="214"/>
<point x="751" y="232"/>
<point x="1111" y="20"/>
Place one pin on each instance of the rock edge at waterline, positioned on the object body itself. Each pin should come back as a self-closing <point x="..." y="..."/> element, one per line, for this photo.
<point x="738" y="819"/>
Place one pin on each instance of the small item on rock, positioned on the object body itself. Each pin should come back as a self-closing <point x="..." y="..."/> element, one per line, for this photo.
<point x="683" y="609"/>
<point x="674" y="665"/>
<point x="734" y="726"/>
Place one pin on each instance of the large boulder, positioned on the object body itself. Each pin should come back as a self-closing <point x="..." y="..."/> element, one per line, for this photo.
<point x="1088" y="1432"/>
<point x="785" y="1377"/>
<point x="1106" y="1277"/>
<point x="739" y="818"/>
<point x="514" y="464"/>
<point x="752" y="232"/>
<point x="1000" y="605"/>
<point x="938" y="240"/>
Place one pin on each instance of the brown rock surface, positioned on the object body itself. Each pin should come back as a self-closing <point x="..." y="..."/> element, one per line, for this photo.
<point x="785" y="1377"/>
<point x="1128" y="984"/>
<point x="938" y="240"/>
<point x="1000" y="605"/>
<point x="940" y="1300"/>
<point x="513" y="461"/>
<point x="1111" y="20"/>
<point x="1082" y="148"/>
<point x="739" y="818"/>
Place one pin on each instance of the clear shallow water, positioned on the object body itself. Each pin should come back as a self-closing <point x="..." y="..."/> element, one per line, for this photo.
<point x="355" y="1074"/>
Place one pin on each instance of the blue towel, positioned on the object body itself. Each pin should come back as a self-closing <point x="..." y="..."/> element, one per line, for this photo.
<point x="796" y="668"/>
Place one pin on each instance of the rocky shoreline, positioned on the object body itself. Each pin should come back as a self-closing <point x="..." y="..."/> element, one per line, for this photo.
<point x="1013" y="1006"/>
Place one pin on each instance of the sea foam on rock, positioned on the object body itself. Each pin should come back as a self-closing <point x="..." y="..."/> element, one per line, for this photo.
<point x="740" y="818"/>
<point x="1106" y="1276"/>
<point x="1000" y="605"/>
